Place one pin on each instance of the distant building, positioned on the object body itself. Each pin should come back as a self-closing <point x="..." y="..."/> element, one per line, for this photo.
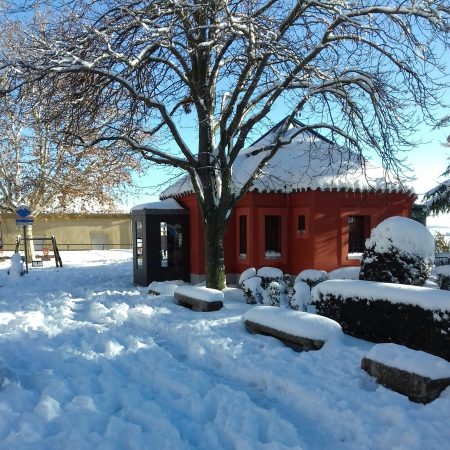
<point x="76" y="231"/>
<point x="312" y="208"/>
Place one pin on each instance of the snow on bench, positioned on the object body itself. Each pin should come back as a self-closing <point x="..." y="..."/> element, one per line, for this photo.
<point x="297" y="329"/>
<point x="416" y="374"/>
<point x="164" y="287"/>
<point x="199" y="298"/>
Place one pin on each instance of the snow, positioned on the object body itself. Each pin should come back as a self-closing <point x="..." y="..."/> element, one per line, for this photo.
<point x="310" y="161"/>
<point x="409" y="236"/>
<point x="200" y="293"/>
<point x="413" y="361"/>
<point x="426" y="298"/>
<point x="269" y="272"/>
<point x="246" y="274"/>
<point x="442" y="270"/>
<point x="295" y="323"/>
<point x="311" y="274"/>
<point x="16" y="269"/>
<point x="90" y="361"/>
<point x="302" y="295"/>
<point x="164" y="287"/>
<point x="345" y="273"/>
<point x="169" y="203"/>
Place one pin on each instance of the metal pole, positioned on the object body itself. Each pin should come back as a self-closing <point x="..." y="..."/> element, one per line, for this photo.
<point x="26" y="249"/>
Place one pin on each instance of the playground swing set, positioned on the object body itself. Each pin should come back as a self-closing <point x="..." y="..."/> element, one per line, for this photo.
<point x="45" y="250"/>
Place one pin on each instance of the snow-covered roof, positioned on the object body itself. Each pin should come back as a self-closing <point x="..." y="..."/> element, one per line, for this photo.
<point x="306" y="161"/>
<point x="168" y="203"/>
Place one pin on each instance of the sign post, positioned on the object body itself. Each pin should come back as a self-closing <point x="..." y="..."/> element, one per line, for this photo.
<point x="24" y="218"/>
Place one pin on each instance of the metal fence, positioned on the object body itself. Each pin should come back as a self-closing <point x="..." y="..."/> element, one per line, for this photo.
<point x="74" y="247"/>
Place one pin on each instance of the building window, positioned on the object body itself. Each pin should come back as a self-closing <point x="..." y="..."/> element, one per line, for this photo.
<point x="272" y="236"/>
<point x="138" y="245"/>
<point x="171" y="245"/>
<point x="358" y="232"/>
<point x="242" y="236"/>
<point x="301" y="224"/>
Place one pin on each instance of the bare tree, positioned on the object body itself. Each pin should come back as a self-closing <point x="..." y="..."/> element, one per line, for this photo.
<point x="41" y="167"/>
<point x="355" y="70"/>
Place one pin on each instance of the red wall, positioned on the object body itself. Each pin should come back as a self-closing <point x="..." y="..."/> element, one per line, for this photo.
<point x="324" y="243"/>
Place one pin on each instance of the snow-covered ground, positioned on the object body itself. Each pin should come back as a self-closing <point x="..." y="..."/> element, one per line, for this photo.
<point x="89" y="361"/>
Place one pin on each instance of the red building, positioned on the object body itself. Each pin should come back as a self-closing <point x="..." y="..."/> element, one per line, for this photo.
<point x="312" y="208"/>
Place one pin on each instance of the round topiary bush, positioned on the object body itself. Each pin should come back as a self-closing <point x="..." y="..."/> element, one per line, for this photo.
<point x="311" y="277"/>
<point x="399" y="250"/>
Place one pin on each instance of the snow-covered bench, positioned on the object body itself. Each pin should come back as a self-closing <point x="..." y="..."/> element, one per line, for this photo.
<point x="164" y="287"/>
<point x="299" y="330"/>
<point x="199" y="298"/>
<point x="416" y="374"/>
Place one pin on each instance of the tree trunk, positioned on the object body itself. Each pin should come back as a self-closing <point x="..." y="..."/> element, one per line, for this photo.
<point x="214" y="250"/>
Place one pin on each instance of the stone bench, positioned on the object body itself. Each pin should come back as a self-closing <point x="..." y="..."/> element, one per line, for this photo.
<point x="199" y="298"/>
<point x="298" y="330"/>
<point x="418" y="375"/>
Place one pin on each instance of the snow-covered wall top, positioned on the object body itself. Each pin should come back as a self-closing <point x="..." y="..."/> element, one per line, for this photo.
<point x="169" y="203"/>
<point x="306" y="161"/>
<point x="426" y="298"/>
<point x="409" y="236"/>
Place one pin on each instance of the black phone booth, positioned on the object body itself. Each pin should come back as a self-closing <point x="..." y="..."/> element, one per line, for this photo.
<point x="160" y="242"/>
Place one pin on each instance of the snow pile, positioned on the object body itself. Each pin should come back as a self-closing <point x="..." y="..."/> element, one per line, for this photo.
<point x="295" y="323"/>
<point x="412" y="361"/>
<point x="431" y="299"/>
<point x="200" y="293"/>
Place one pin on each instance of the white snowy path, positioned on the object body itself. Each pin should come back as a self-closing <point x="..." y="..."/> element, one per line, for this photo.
<point x="89" y="361"/>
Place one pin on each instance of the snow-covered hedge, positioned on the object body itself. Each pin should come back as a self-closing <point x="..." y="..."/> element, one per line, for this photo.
<point x="399" y="250"/>
<point x="380" y="312"/>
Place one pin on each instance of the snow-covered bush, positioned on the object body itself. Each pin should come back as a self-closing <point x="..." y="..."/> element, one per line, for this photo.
<point x="267" y="286"/>
<point x="301" y="296"/>
<point x="269" y="274"/>
<point x="274" y="293"/>
<point x="311" y="277"/>
<point x="399" y="250"/>
<point x="246" y="274"/>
